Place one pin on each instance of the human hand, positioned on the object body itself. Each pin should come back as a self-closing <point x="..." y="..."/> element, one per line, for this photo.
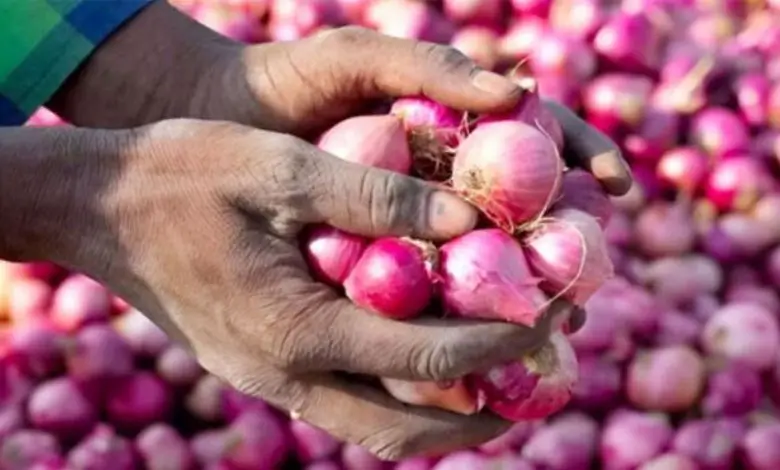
<point x="196" y="224"/>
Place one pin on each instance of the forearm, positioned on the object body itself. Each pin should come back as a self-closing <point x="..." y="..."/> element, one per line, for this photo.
<point x="50" y="183"/>
<point x="150" y="69"/>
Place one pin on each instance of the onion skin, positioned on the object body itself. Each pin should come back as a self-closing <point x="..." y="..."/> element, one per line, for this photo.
<point x="570" y="254"/>
<point x="535" y="387"/>
<point x="629" y="42"/>
<point x="666" y="379"/>
<point x="510" y="170"/>
<point x="393" y="278"/>
<point x="710" y="443"/>
<point x="485" y="275"/>
<point x="333" y="253"/>
<point x="736" y="183"/>
<point x="569" y="442"/>
<point x="614" y="102"/>
<point x="580" y="190"/>
<point x="453" y="397"/>
<point x="719" y="132"/>
<point x="377" y="141"/>
<point x="744" y="332"/>
<point x="664" y="229"/>
<point x="683" y="168"/>
<point x="630" y="438"/>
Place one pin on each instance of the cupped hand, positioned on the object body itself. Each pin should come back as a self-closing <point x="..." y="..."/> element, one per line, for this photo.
<point x="304" y="86"/>
<point x="196" y="223"/>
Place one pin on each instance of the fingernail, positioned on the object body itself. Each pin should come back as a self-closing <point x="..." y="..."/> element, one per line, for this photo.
<point x="494" y="83"/>
<point x="449" y="215"/>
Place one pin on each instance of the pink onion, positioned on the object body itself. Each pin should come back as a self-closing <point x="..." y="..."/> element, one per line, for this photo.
<point x="759" y="447"/>
<point x="98" y="355"/>
<point x="684" y="168"/>
<point x="332" y="253"/>
<point x="312" y="443"/>
<point x="488" y="12"/>
<point x="25" y="448"/>
<point x="479" y="43"/>
<point x="767" y="297"/>
<point x="669" y="462"/>
<point x="521" y="37"/>
<point x="512" y="440"/>
<point x="80" y="300"/>
<point x="453" y="396"/>
<point x="29" y="300"/>
<point x="145" y="338"/>
<point x="631" y="438"/>
<point x="773" y="267"/>
<point x="409" y="19"/>
<point x="599" y="385"/>
<point x="733" y="390"/>
<point x="178" y="366"/>
<point x="680" y="279"/>
<point x="162" y="448"/>
<point x="37" y="350"/>
<point x="719" y="132"/>
<point x="538" y="8"/>
<point x="657" y="133"/>
<point x="257" y="441"/>
<point x="138" y="401"/>
<point x="630" y="42"/>
<point x="711" y="444"/>
<point x="626" y="306"/>
<point x="558" y="54"/>
<point x="510" y="170"/>
<point x="666" y="379"/>
<point x="580" y="190"/>
<point x="485" y="275"/>
<point x="378" y="141"/>
<point x="102" y="449"/>
<point x="737" y="183"/>
<point x="355" y="457"/>
<point x="59" y="407"/>
<point x="613" y="102"/>
<point x="743" y="332"/>
<point x="569" y="252"/>
<point x="579" y="18"/>
<point x="752" y="91"/>
<point x="665" y="229"/>
<point x="535" y="387"/>
<point x="677" y="328"/>
<point x="393" y="278"/>
<point x="567" y="443"/>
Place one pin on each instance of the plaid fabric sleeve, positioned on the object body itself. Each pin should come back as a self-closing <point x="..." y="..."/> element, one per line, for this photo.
<point x="44" y="41"/>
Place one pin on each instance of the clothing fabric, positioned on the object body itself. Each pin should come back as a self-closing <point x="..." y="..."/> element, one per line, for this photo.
<point x="42" y="42"/>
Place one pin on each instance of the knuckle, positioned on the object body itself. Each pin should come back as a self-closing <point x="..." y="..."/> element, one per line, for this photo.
<point x="446" y="57"/>
<point x="352" y="36"/>
<point x="437" y="361"/>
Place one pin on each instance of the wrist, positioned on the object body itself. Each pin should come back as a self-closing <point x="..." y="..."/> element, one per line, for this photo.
<point x="51" y="185"/>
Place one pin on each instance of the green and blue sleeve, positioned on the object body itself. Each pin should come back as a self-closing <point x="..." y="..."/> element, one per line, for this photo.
<point x="42" y="42"/>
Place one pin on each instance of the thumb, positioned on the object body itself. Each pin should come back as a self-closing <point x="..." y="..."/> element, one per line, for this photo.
<point x="374" y="202"/>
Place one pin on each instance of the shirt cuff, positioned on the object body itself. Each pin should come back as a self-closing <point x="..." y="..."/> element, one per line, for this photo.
<point x="45" y="41"/>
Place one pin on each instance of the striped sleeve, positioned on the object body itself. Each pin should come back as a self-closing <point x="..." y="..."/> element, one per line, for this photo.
<point x="44" y="41"/>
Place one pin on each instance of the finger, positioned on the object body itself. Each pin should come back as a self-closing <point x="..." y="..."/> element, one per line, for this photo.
<point x="424" y="349"/>
<point x="374" y="203"/>
<point x="380" y="65"/>
<point x="364" y="415"/>
<point x="593" y="150"/>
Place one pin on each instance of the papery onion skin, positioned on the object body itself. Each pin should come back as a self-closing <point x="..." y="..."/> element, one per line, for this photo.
<point x="393" y="278"/>
<point x="569" y="252"/>
<point x="744" y="332"/>
<point x="377" y="141"/>
<point x="535" y="387"/>
<point x="333" y="253"/>
<point x="508" y="169"/>
<point x="580" y="190"/>
<point x="484" y="274"/>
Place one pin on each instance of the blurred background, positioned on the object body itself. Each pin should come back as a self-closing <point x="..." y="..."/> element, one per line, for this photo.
<point x="680" y="357"/>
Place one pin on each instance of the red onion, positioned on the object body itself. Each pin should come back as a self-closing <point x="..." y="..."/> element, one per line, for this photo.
<point x="774" y="104"/>
<point x="312" y="443"/>
<point x="580" y="190"/>
<point x="752" y="91"/>
<point x="759" y="447"/>
<point x="676" y="328"/>
<point x="668" y="379"/>
<point x="766" y="297"/>
<point x="259" y="442"/>
<point x="306" y="15"/>
<point x="521" y="37"/>
<point x="415" y="463"/>
<point x="80" y="300"/>
<point x="378" y="141"/>
<point x="657" y="133"/>
<point x="485" y="275"/>
<point x="354" y="10"/>
<point x="479" y="43"/>
<point x="145" y="338"/>
<point x="743" y="332"/>
<point x="97" y="355"/>
<point x="538" y="8"/>
<point x="669" y="462"/>
<point x="355" y="457"/>
<point x="333" y="253"/>
<point x="409" y="19"/>
<point x="742" y="237"/>
<point x="711" y="444"/>
<point x="604" y="333"/>
<point x="733" y="390"/>
<point x="665" y="229"/>
<point x="227" y="22"/>
<point x="533" y="388"/>
<point x="36" y="350"/>
<point x="599" y="385"/>
<point x="29" y="301"/>
<point x="561" y="89"/>
<point x="684" y="168"/>
<point x="630" y="42"/>
<point x="58" y="406"/>
<point x="613" y="102"/>
<point x="569" y="252"/>
<point x="558" y="54"/>
<point x="393" y="278"/>
<point x="510" y="170"/>
<point x="737" y="183"/>
<point x="773" y="267"/>
<point x="25" y="448"/>
<point x="711" y="29"/>
<point x="162" y="448"/>
<point x="102" y="449"/>
<point x="568" y="443"/>
<point x="628" y="305"/>
<point x="579" y="18"/>
<point x="630" y="438"/>
<point x="452" y="396"/>
<point x="474" y="11"/>
<point x="619" y="230"/>
<point x="680" y="280"/>
<point x="719" y="132"/>
<point x="512" y="440"/>
<point x="12" y="419"/>
<point x="138" y="401"/>
<point x="178" y="367"/>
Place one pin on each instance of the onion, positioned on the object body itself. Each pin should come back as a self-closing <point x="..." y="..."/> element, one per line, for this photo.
<point x="627" y="306"/>
<point x="535" y="387"/>
<point x="567" y="443"/>
<point x="657" y="133"/>
<point x="733" y="390"/>
<point x="137" y="401"/>
<point x="684" y="168"/>
<point x="145" y="338"/>
<point x="665" y="229"/>
<point x="29" y="301"/>
<point x="619" y="230"/>
<point x="752" y="91"/>
<point x="614" y="102"/>
<point x="719" y="132"/>
<point x="512" y="440"/>
<point x="355" y="457"/>
<point x="488" y="12"/>
<point x="452" y="396"/>
<point x="480" y="44"/>
<point x="743" y="332"/>
<point x="759" y="447"/>
<point x="377" y="141"/>
<point x="332" y="253"/>
<point x="569" y="252"/>
<point x="96" y="356"/>
<point x="510" y="170"/>
<point x="561" y="89"/>
<point x="36" y="350"/>
<point x="712" y="444"/>
<point x="103" y="448"/>
<point x="773" y="267"/>
<point x="485" y="275"/>
<point x="630" y="42"/>
<point x="558" y="54"/>
<point x="670" y="378"/>
<point x="521" y="37"/>
<point x="737" y="183"/>
<point x="409" y="19"/>
<point x="178" y="367"/>
<point x="26" y="448"/>
<point x="580" y="190"/>
<point x="631" y="438"/>
<point x="538" y="8"/>
<point x="393" y="278"/>
<point x="669" y="462"/>
<point x="761" y="295"/>
<point x="676" y="328"/>
<point x="599" y="385"/>
<point x="579" y="18"/>
<point x="58" y="406"/>
<point x="257" y="441"/>
<point x="312" y="443"/>
<point x="162" y="448"/>
<point x="680" y="280"/>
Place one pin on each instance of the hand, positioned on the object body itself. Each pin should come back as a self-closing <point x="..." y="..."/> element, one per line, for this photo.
<point x="196" y="224"/>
